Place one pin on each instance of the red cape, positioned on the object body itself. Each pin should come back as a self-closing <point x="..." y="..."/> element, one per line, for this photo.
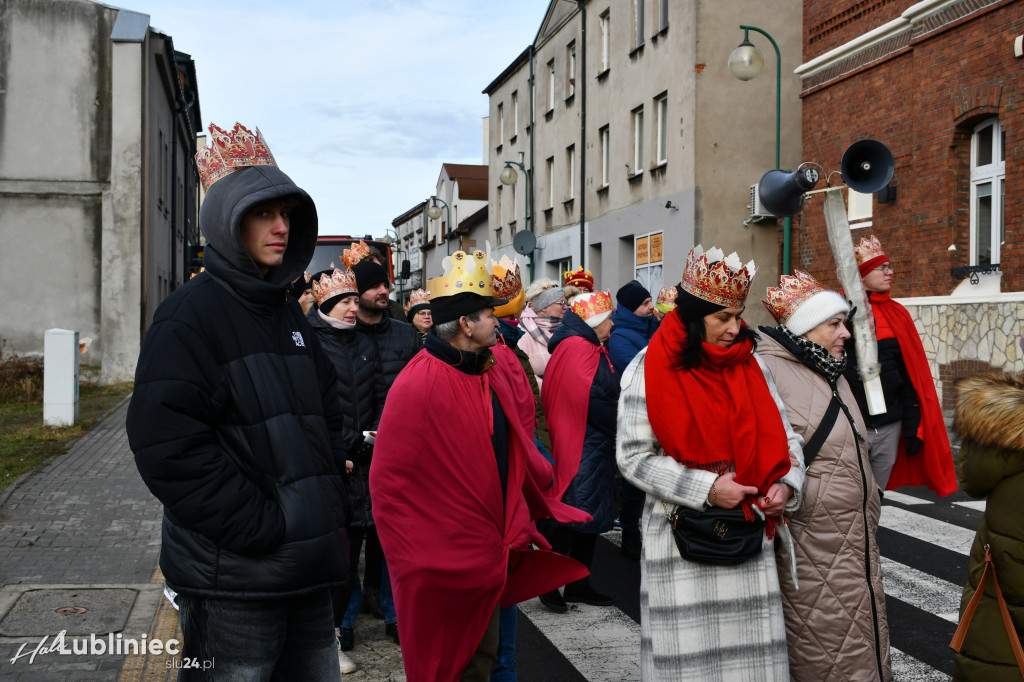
<point x="933" y="465"/>
<point x="565" y="395"/>
<point x="453" y="547"/>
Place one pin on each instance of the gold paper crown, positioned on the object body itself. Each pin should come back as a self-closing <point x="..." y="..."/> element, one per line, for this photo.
<point x="464" y="274"/>
<point x="355" y="253"/>
<point x="337" y="283"/>
<point x="508" y="282"/>
<point x="666" y="299"/>
<point x="793" y="290"/>
<point x="717" y="278"/>
<point x="587" y="305"/>
<point x="229" y="151"/>
<point x="580" y="278"/>
<point x="868" y="249"/>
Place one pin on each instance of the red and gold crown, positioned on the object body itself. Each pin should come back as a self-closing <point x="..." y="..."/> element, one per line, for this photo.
<point x="869" y="254"/>
<point x="588" y="304"/>
<point x="666" y="299"/>
<point x="229" y="151"/>
<point x="583" y="279"/>
<point x="508" y="282"/>
<point x="793" y="291"/>
<point x="419" y="297"/>
<point x="717" y="278"/>
<point x="338" y="283"/>
<point x="464" y="274"/>
<point x="355" y="253"/>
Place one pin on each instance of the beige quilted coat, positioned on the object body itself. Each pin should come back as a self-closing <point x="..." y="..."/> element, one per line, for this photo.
<point x="835" y="623"/>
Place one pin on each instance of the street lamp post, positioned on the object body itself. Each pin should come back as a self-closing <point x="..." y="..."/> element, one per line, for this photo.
<point x="434" y="213"/>
<point x="509" y="176"/>
<point x="391" y="240"/>
<point x="745" y="63"/>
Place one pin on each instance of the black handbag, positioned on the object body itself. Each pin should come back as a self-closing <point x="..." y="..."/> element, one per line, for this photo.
<point x="723" y="537"/>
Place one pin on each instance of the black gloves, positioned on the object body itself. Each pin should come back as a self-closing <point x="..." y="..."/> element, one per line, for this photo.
<point x="912" y="445"/>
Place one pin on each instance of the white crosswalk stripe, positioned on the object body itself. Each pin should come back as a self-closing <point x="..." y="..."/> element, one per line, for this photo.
<point x="927" y="529"/>
<point x="906" y="668"/>
<point x="919" y="589"/>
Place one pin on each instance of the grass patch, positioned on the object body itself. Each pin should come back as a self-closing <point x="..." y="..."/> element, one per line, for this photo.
<point x="26" y="443"/>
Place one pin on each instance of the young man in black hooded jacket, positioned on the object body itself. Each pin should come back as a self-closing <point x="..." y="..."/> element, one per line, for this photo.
<point x="237" y="429"/>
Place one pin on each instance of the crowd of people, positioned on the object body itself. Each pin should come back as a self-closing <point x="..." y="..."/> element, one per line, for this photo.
<point x="322" y="453"/>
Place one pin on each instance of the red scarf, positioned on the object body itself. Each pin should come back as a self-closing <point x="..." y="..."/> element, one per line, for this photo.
<point x="933" y="465"/>
<point x="717" y="416"/>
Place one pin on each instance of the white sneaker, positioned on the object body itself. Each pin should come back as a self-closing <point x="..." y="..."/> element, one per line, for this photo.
<point x="346" y="663"/>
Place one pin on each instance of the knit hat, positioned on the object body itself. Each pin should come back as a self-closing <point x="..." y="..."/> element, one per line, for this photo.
<point x="632" y="295"/>
<point x="593" y="307"/>
<point x="368" y="275"/>
<point x="801" y="304"/>
<point x="547" y="297"/>
<point x="869" y="254"/>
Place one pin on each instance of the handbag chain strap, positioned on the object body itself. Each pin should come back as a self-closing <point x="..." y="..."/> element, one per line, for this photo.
<point x="1011" y="631"/>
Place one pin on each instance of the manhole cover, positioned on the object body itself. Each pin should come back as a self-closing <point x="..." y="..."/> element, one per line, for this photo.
<point x="80" y="612"/>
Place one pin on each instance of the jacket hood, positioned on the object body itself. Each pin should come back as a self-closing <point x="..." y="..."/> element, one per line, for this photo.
<point x="228" y="199"/>
<point x="626" y="319"/>
<point x="572" y="325"/>
<point x="990" y="410"/>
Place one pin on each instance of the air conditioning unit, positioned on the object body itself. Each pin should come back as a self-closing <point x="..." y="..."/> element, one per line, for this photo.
<point x="757" y="210"/>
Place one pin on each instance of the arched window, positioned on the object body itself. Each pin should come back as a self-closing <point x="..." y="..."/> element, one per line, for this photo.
<point x="988" y="179"/>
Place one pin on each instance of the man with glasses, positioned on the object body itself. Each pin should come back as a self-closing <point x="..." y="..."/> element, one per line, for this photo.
<point x="908" y="443"/>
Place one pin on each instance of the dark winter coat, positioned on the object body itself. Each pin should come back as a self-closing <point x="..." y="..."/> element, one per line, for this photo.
<point x="630" y="335"/>
<point x="355" y="360"/>
<point x="235" y="421"/>
<point x="591" y="488"/>
<point x="989" y="414"/>
<point x="901" y="401"/>
<point x="394" y="343"/>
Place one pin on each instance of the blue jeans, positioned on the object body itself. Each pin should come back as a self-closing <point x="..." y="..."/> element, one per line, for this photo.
<point x="275" y="639"/>
<point x="387" y="601"/>
<point x="505" y="668"/>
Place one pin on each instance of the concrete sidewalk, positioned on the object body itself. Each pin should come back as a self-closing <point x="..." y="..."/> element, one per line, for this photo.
<point x="79" y="552"/>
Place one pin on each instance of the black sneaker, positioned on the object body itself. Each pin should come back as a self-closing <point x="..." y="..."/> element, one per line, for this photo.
<point x="391" y="630"/>
<point x="346" y="639"/>
<point x="554" y="601"/>
<point x="586" y="594"/>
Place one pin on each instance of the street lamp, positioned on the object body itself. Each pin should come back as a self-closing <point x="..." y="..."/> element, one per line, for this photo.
<point x="509" y="176"/>
<point x="391" y="238"/>
<point x="434" y="213"/>
<point x="745" y="63"/>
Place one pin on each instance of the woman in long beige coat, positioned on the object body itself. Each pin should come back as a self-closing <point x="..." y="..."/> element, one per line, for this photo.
<point x="835" y="623"/>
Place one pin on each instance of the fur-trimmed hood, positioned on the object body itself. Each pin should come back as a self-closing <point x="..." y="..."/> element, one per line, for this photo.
<point x="990" y="410"/>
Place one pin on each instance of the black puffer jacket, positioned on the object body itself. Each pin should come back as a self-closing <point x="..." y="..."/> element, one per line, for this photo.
<point x="395" y="343"/>
<point x="355" y="360"/>
<point x="235" y="421"/>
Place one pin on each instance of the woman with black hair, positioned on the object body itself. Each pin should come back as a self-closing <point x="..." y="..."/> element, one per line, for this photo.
<point x="700" y="426"/>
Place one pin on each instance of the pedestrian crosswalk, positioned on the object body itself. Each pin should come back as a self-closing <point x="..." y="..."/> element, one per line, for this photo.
<point x="925" y="542"/>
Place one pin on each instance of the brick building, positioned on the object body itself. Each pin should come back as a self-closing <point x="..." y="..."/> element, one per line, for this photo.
<point x="938" y="82"/>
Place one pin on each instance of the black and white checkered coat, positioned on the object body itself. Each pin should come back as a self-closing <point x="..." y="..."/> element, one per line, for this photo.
<point x="697" y="621"/>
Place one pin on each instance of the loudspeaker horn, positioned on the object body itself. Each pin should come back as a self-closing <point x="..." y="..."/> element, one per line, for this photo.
<point x="782" y="193"/>
<point x="867" y="166"/>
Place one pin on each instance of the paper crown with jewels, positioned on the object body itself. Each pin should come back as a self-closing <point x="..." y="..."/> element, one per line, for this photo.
<point x="580" y="278"/>
<point x="801" y="304"/>
<point x="463" y="274"/>
<point x="591" y="305"/>
<point x="717" y="278"/>
<point x="418" y="300"/>
<point x="869" y="254"/>
<point x="666" y="299"/>
<point x="229" y="151"/>
<point x="337" y="283"/>
<point x="356" y="252"/>
<point x="508" y="284"/>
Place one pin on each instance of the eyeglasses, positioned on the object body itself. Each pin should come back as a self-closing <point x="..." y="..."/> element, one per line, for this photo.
<point x="886" y="267"/>
<point x="564" y="303"/>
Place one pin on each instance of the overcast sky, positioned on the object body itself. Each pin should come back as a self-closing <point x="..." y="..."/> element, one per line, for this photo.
<point x="360" y="101"/>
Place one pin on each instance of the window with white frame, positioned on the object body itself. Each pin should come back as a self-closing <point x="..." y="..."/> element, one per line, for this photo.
<point x="501" y="123"/>
<point x="638" y="23"/>
<point x="515" y="114"/>
<point x="551" y="181"/>
<point x="859" y="209"/>
<point x="605" y="155"/>
<point x="551" y="85"/>
<point x="561" y="266"/>
<point x="647" y="261"/>
<point x="497" y="206"/>
<point x="638" y="141"/>
<point x="570" y="172"/>
<point x="661" y="105"/>
<point x="570" y="70"/>
<point x="662" y="15"/>
<point x="604" y="20"/>
<point x="988" y="178"/>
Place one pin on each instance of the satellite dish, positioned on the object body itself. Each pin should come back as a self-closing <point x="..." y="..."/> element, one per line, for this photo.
<point x="524" y="242"/>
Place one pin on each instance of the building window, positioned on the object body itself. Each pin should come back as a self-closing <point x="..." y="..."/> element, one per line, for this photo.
<point x="605" y="37"/>
<point x="647" y="263"/>
<point x="561" y="267"/>
<point x="988" y="173"/>
<point x="661" y="106"/>
<point x="551" y="85"/>
<point x="638" y="141"/>
<point x="515" y="115"/>
<point x="859" y="209"/>
<point x="497" y="206"/>
<point x="570" y="172"/>
<point x="570" y="70"/>
<point x="551" y="181"/>
<point x="662" y="15"/>
<point x="501" y="123"/>
<point x="512" y="204"/>
<point x="638" y="23"/>
<point x="605" y="154"/>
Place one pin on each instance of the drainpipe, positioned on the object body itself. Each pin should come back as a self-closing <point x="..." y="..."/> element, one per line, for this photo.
<point x="529" y="172"/>
<point x="583" y="131"/>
